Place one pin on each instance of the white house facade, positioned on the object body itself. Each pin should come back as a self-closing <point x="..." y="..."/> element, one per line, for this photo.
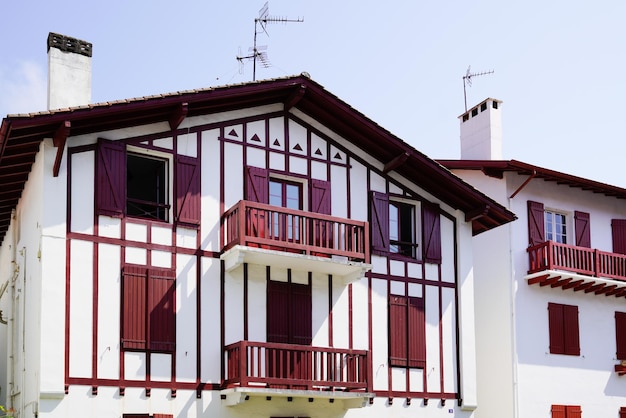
<point x="550" y="287"/>
<point x="258" y="250"/>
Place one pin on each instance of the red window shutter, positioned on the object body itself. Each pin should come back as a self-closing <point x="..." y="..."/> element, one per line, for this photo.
<point x="163" y="416"/>
<point x="134" y="301"/>
<point x="558" y="411"/>
<point x="187" y="190"/>
<point x="431" y="222"/>
<point x="277" y="312"/>
<point x="379" y="222"/>
<point x="257" y="185"/>
<point x="320" y="197"/>
<point x="573" y="411"/>
<point x="622" y="412"/>
<point x="618" y="227"/>
<point x="583" y="231"/>
<point x="536" y="228"/>
<point x="398" y="331"/>
<point x="570" y="325"/>
<point x="111" y="178"/>
<point x="556" y="326"/>
<point x="417" y="333"/>
<point x="620" y="335"/>
<point x="300" y="314"/>
<point x="162" y="310"/>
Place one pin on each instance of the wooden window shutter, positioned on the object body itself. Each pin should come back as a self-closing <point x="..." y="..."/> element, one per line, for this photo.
<point x="398" y="331"/>
<point x="556" y="327"/>
<point x="134" y="299"/>
<point x="257" y="185"/>
<point x="320" y="197"/>
<point x="618" y="227"/>
<point x="622" y="412"/>
<point x="187" y="190"/>
<point x="162" y="310"/>
<point x="300" y="313"/>
<point x="536" y="228"/>
<point x="162" y="416"/>
<point x="571" y="333"/>
<point x="417" y="333"/>
<point x="379" y="222"/>
<point x="583" y="231"/>
<point x="558" y="411"/>
<point x="431" y="222"/>
<point x="620" y="334"/>
<point x="573" y="411"/>
<point x="277" y="312"/>
<point x="111" y="178"/>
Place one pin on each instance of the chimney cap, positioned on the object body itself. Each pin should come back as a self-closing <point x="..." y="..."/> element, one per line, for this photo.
<point x="69" y="44"/>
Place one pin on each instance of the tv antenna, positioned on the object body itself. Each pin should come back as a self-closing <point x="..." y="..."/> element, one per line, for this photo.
<point x="467" y="81"/>
<point x="260" y="52"/>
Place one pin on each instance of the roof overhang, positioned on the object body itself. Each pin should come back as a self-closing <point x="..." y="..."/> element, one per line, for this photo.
<point x="21" y="135"/>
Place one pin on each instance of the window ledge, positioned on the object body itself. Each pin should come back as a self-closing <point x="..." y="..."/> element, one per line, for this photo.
<point x="350" y="271"/>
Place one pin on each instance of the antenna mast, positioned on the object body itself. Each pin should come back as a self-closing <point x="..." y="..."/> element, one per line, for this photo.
<point x="259" y="52"/>
<point x="467" y="80"/>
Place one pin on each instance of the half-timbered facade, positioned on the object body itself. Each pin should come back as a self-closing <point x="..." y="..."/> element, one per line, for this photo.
<point x="260" y="249"/>
<point x="550" y="287"/>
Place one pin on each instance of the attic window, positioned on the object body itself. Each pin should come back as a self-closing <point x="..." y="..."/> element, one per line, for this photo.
<point x="147" y="187"/>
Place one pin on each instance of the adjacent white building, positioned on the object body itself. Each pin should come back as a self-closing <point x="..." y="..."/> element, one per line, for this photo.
<point x="550" y="287"/>
<point x="257" y="250"/>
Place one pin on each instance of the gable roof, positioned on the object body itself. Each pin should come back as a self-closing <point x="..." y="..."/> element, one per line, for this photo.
<point x="21" y="135"/>
<point x="496" y="168"/>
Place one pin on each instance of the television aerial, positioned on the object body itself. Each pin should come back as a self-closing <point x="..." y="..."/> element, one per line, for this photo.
<point x="467" y="81"/>
<point x="260" y="52"/>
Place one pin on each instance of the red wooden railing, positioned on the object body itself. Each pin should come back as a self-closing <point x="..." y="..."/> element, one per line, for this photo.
<point x="272" y="227"/>
<point x="293" y="366"/>
<point x="587" y="261"/>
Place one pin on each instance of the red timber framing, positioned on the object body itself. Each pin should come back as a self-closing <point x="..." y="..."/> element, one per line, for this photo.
<point x="187" y="215"/>
<point x="336" y="157"/>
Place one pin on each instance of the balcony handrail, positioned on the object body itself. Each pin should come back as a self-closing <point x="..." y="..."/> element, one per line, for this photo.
<point x="552" y="255"/>
<point x="267" y="226"/>
<point x="296" y="366"/>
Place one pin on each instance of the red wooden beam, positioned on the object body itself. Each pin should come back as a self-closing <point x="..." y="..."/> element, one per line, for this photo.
<point x="572" y="284"/>
<point x="561" y="282"/>
<point x="605" y="289"/>
<point x="595" y="288"/>
<point x="58" y="140"/>
<point x="583" y="286"/>
<point x="549" y="281"/>
<point x="178" y="115"/>
<point x="537" y="279"/>
<point x="614" y="291"/>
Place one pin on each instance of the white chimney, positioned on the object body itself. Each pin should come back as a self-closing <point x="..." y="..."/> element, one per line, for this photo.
<point x="481" y="131"/>
<point x="69" y="72"/>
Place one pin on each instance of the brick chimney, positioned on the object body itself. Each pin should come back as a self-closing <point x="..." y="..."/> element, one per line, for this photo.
<point x="481" y="131"/>
<point x="69" y="72"/>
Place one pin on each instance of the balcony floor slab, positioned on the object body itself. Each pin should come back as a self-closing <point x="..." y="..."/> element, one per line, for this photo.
<point x="337" y="266"/>
<point x="239" y="395"/>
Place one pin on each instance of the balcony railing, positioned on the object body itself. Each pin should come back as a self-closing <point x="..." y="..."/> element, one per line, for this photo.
<point x="581" y="260"/>
<point x="276" y="228"/>
<point x="296" y="367"/>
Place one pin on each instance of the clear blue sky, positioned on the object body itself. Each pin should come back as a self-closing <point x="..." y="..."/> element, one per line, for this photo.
<point x="559" y="65"/>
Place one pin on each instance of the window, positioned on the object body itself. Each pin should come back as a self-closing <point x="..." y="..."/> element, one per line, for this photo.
<point x="402" y="229"/>
<point x="550" y="225"/>
<point x="147" y="187"/>
<point x="148" y="314"/>
<point x="139" y="183"/>
<point x="620" y="335"/>
<point x="563" y="327"/>
<point x="405" y="228"/>
<point x="566" y="411"/>
<point x="288" y="195"/>
<point x="556" y="227"/>
<point x="407" y="332"/>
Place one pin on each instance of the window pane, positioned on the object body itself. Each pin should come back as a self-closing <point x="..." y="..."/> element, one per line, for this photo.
<point x="146" y="187"/>
<point x="276" y="193"/>
<point x="393" y="228"/>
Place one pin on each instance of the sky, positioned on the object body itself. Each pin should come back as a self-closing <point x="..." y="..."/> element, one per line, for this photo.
<point x="558" y="66"/>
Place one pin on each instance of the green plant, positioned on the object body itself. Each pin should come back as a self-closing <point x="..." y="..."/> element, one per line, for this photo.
<point x="6" y="412"/>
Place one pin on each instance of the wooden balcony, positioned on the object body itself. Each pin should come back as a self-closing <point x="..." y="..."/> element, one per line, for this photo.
<point x="265" y="234"/>
<point x="577" y="268"/>
<point x="296" y="367"/>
